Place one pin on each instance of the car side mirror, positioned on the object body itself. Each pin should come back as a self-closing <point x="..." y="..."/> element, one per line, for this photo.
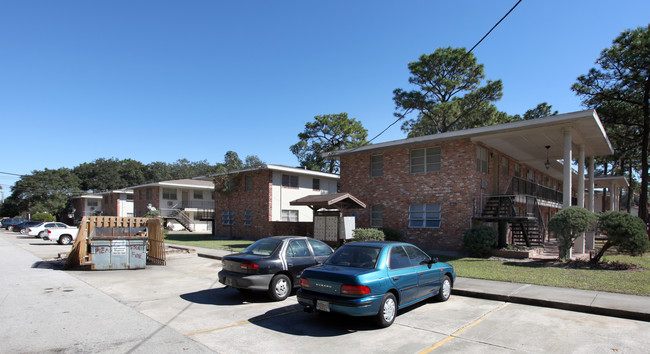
<point x="433" y="260"/>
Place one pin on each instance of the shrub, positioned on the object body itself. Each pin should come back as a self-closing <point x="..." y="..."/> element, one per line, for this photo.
<point x="368" y="235"/>
<point x="479" y="240"/>
<point x="623" y="230"/>
<point x="392" y="234"/>
<point x="45" y="217"/>
<point x="568" y="224"/>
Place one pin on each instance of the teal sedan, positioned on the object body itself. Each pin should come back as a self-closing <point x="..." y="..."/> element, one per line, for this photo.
<point x="374" y="278"/>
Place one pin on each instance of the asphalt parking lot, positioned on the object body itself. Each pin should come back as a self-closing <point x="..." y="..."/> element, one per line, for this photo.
<point x="184" y="308"/>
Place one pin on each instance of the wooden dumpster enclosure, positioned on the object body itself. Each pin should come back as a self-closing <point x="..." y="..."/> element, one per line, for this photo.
<point x="80" y="255"/>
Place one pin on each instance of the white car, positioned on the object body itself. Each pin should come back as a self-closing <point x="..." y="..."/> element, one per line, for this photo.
<point x="61" y="236"/>
<point x="41" y="229"/>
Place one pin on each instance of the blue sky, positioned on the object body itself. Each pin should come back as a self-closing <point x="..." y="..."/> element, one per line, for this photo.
<point x="165" y="80"/>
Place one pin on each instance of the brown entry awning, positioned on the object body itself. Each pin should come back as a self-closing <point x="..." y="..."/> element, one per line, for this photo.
<point x="330" y="201"/>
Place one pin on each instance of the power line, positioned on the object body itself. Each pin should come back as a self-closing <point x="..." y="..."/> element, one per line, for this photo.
<point x="475" y="45"/>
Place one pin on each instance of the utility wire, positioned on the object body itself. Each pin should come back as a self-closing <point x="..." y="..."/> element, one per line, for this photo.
<point x="475" y="45"/>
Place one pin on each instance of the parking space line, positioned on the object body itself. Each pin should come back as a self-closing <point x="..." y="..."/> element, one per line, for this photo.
<point x="458" y="332"/>
<point x="244" y="322"/>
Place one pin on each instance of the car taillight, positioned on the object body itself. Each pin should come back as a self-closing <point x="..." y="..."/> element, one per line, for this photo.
<point x="355" y="290"/>
<point x="304" y="283"/>
<point x="248" y="266"/>
<point x="49" y="231"/>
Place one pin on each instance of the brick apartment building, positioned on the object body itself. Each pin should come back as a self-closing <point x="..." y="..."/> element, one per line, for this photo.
<point x="260" y="206"/>
<point x="184" y="203"/>
<point x="432" y="188"/>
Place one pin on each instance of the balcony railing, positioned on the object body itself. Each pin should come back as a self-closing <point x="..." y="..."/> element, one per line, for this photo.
<point x="520" y="186"/>
<point x="188" y="204"/>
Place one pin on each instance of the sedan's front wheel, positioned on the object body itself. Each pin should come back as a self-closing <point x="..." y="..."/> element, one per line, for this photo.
<point x="280" y="287"/>
<point x="387" y="311"/>
<point x="445" y="290"/>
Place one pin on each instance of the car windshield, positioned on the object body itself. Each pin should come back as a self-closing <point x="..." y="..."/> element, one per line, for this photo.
<point x="263" y="247"/>
<point x="355" y="256"/>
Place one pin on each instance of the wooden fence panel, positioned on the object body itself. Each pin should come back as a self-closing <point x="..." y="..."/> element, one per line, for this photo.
<point x="156" y="252"/>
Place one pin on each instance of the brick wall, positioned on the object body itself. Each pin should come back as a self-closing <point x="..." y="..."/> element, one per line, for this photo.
<point x="140" y="200"/>
<point x="453" y="187"/>
<point x="109" y="204"/>
<point x="257" y="200"/>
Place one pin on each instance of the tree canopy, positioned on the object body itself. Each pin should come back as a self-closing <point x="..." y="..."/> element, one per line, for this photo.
<point x="619" y="88"/>
<point x="50" y="190"/>
<point x="449" y="95"/>
<point x="329" y="132"/>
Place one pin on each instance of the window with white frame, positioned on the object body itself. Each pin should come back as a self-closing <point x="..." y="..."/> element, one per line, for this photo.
<point x="504" y="165"/>
<point x="424" y="215"/>
<point x="481" y="159"/>
<point x="248" y="217"/>
<point x="425" y="160"/>
<point x="376" y="166"/>
<point x="517" y="170"/>
<point x="198" y="194"/>
<point x="92" y="203"/>
<point x="169" y="193"/>
<point x="316" y="184"/>
<point x="228" y="217"/>
<point x="289" y="215"/>
<point x="290" y="181"/>
<point x="377" y="216"/>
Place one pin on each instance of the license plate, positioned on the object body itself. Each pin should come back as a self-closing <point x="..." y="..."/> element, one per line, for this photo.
<point x="322" y="305"/>
<point x="228" y="282"/>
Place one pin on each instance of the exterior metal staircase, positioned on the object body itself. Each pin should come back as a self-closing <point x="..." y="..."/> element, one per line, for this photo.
<point x="182" y="218"/>
<point x="525" y="222"/>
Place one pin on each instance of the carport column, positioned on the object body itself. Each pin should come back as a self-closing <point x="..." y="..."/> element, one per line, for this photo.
<point x="612" y="196"/>
<point x="566" y="174"/>
<point x="579" y="245"/>
<point x="591" y="235"/>
<point x="581" y="177"/>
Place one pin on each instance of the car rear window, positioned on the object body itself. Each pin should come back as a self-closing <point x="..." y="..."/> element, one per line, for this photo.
<point x="355" y="256"/>
<point x="262" y="247"/>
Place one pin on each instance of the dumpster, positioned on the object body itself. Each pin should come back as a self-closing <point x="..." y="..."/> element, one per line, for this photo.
<point x="118" y="248"/>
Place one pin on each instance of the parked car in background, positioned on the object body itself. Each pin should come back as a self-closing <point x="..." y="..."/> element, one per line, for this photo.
<point x="61" y="236"/>
<point x="24" y="227"/>
<point x="8" y="224"/>
<point x="375" y="278"/>
<point x="41" y="229"/>
<point x="273" y="264"/>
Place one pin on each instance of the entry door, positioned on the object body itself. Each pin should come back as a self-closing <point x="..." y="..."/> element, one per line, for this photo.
<point x="495" y="174"/>
<point x="185" y="195"/>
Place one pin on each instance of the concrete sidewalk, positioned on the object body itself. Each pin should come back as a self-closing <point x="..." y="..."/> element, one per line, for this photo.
<point x="594" y="302"/>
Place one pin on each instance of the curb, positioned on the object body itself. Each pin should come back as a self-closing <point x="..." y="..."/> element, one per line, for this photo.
<point x="630" y="315"/>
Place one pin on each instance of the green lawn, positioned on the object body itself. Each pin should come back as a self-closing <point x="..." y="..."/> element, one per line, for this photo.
<point x="634" y="282"/>
<point x="206" y="241"/>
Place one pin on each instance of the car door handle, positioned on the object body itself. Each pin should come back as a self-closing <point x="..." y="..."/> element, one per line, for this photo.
<point x="395" y="278"/>
<point x="289" y="265"/>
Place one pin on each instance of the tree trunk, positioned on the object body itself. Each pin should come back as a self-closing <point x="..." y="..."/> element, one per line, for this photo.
<point x="643" y="198"/>
<point x="600" y="254"/>
<point x="630" y="190"/>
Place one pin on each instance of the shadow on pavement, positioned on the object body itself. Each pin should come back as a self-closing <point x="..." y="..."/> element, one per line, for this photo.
<point x="293" y="320"/>
<point x="226" y="296"/>
<point x="56" y="264"/>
